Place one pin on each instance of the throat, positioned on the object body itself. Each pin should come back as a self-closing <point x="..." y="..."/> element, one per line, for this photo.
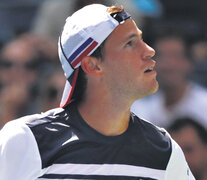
<point x="105" y="120"/>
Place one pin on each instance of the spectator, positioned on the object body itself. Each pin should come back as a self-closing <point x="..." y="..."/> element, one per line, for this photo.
<point x="18" y="63"/>
<point x="192" y="138"/>
<point x="22" y="62"/>
<point x="177" y="96"/>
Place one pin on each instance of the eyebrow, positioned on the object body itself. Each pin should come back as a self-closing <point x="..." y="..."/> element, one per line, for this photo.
<point x="134" y="35"/>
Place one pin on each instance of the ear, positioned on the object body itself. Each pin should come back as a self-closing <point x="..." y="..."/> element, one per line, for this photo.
<point x="91" y="66"/>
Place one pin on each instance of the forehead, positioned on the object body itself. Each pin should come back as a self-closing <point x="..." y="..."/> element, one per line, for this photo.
<point x="123" y="32"/>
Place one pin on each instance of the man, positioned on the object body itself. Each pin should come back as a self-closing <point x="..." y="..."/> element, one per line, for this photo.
<point x="178" y="96"/>
<point x="93" y="135"/>
<point x="192" y="138"/>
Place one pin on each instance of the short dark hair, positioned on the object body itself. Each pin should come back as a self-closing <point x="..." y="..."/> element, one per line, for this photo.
<point x="81" y="83"/>
<point x="183" y="122"/>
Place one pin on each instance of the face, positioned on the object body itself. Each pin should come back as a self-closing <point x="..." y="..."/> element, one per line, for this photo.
<point x="172" y="64"/>
<point x="195" y="151"/>
<point x="16" y="65"/>
<point x="127" y="63"/>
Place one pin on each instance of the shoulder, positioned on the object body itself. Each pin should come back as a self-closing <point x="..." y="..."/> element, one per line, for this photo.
<point x="151" y="130"/>
<point x="15" y="131"/>
<point x="50" y="124"/>
<point x="52" y="129"/>
<point x="25" y="142"/>
<point x="40" y="119"/>
<point x="32" y="123"/>
<point x="45" y="123"/>
<point x="154" y="140"/>
<point x="176" y="165"/>
<point x="24" y="125"/>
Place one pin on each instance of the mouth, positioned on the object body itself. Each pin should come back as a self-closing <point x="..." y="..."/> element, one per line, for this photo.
<point x="149" y="70"/>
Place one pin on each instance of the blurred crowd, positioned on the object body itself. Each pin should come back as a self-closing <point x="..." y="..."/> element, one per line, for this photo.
<point x="32" y="81"/>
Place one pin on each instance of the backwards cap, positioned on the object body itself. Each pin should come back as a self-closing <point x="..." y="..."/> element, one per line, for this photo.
<point x="82" y="34"/>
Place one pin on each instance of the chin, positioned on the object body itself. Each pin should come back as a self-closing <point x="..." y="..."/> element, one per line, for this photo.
<point x="156" y="86"/>
<point x="154" y="89"/>
<point x="148" y="92"/>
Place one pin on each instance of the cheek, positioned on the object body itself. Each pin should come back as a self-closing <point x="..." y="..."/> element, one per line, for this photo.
<point x="126" y="64"/>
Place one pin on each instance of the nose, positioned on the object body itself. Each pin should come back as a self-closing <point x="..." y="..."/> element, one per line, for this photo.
<point x="149" y="52"/>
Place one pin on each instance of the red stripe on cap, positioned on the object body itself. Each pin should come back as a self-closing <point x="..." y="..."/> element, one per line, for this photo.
<point x="69" y="100"/>
<point x="84" y="53"/>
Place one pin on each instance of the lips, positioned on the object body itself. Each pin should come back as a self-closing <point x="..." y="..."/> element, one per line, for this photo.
<point x="150" y="66"/>
<point x="150" y="69"/>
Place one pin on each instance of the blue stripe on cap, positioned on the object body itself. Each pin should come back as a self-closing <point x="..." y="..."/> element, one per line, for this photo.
<point x="80" y="49"/>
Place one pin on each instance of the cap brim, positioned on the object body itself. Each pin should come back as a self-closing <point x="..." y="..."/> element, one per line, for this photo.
<point x="69" y="89"/>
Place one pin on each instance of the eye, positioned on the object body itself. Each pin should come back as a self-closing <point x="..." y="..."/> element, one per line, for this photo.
<point x="129" y="43"/>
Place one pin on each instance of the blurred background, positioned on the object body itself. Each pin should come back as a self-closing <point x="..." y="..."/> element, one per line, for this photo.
<point x="32" y="81"/>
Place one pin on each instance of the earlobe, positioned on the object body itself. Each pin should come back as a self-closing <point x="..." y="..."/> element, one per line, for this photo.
<point x="91" y="66"/>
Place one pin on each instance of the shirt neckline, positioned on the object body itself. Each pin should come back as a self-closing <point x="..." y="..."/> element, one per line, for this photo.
<point x="89" y="131"/>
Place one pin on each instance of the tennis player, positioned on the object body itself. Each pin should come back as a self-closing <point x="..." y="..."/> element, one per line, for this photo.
<point x="93" y="135"/>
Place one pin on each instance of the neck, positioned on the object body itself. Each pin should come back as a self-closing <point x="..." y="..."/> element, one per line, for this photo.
<point x="106" y="115"/>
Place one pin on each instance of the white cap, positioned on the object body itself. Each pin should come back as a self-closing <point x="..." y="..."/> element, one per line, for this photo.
<point x="82" y="34"/>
